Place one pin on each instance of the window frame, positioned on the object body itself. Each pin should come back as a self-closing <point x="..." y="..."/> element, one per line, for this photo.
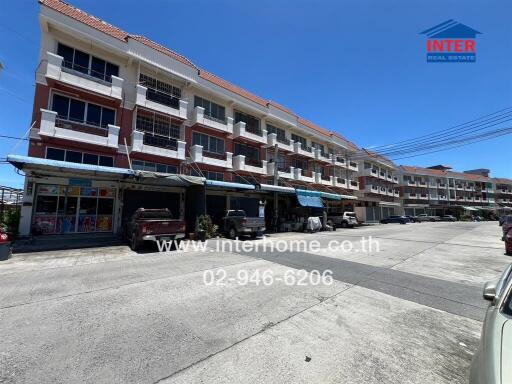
<point x="209" y="139"/>
<point x="106" y="76"/>
<point x="83" y="155"/>
<point x="208" y="111"/>
<point x="86" y="110"/>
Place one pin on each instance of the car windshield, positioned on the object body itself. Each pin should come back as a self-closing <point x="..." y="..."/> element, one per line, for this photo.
<point x="351" y="214"/>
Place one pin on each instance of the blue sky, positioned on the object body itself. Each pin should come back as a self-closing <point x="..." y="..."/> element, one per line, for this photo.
<point x="357" y="67"/>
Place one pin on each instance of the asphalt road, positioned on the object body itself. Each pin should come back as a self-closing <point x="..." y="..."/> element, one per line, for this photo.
<point x="408" y="313"/>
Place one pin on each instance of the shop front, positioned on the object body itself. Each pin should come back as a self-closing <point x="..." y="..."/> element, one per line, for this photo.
<point x="62" y="198"/>
<point x="78" y="206"/>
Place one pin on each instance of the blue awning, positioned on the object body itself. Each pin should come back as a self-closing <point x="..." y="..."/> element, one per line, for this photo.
<point x="310" y="199"/>
<point x="59" y="167"/>
<point x="277" y="188"/>
<point x="226" y="184"/>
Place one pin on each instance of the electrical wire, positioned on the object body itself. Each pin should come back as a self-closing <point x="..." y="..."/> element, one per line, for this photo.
<point x="442" y="131"/>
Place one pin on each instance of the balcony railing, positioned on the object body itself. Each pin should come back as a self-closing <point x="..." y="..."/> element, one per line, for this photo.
<point x="160" y="141"/>
<point x="254" y="130"/>
<point x="341" y="182"/>
<point x="284" y="171"/>
<point x="145" y="142"/>
<point x="283" y="143"/>
<point x="257" y="134"/>
<point x="198" y="155"/>
<point x="303" y="150"/>
<point x="163" y="98"/>
<point x="200" y="117"/>
<point x="81" y="77"/>
<point x="283" y="140"/>
<point x="162" y="102"/>
<point x="81" y="127"/>
<point x="52" y="126"/>
<point x="253" y="162"/>
<point x="243" y="163"/>
<point x="353" y="166"/>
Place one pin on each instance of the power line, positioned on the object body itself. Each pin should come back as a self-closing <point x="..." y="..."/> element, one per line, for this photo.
<point x="441" y="138"/>
<point x="13" y="137"/>
<point x="456" y="146"/>
<point x="501" y="111"/>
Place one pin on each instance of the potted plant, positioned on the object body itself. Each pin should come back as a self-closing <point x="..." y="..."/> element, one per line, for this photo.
<point x="205" y="228"/>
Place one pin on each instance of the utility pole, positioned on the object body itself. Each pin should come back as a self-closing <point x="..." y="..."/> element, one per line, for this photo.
<point x="276" y="182"/>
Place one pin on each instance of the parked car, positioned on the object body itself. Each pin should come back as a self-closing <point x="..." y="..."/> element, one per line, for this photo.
<point x="235" y="223"/>
<point x="152" y="225"/>
<point x="424" y="217"/>
<point x="448" y="218"/>
<point x="413" y="219"/>
<point x="506" y="225"/>
<point x="502" y="219"/>
<point x="345" y="220"/>
<point x="507" y="236"/>
<point x="491" y="362"/>
<point x="5" y="244"/>
<point x="395" y="219"/>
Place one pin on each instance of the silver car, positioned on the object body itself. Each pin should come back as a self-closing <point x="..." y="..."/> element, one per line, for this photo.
<point x="492" y="363"/>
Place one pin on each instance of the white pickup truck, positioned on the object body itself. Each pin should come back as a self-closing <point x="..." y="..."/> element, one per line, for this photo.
<point x="345" y="220"/>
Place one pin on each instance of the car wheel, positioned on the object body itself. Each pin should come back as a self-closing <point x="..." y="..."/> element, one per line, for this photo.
<point x="232" y="233"/>
<point x="344" y="224"/>
<point x="134" y="243"/>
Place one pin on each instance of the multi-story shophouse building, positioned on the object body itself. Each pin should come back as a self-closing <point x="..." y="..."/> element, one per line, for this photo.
<point x="379" y="195"/>
<point x="437" y="190"/>
<point x="503" y="195"/>
<point x="121" y="122"/>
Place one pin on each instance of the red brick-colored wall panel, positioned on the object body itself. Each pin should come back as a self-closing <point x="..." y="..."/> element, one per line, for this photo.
<point x="36" y="149"/>
<point x="41" y="100"/>
<point x="125" y="124"/>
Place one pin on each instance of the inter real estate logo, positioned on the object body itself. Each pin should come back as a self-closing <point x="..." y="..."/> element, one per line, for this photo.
<point x="451" y="42"/>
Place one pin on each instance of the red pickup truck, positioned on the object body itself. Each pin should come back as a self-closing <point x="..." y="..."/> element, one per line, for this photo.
<point x="152" y="225"/>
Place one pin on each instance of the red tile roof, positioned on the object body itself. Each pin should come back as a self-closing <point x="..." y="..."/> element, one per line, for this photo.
<point x="380" y="158"/>
<point x="282" y="108"/>
<point x="162" y="49"/>
<point x="231" y="87"/>
<point x="423" y="171"/>
<point x="313" y="126"/>
<point x="502" y="180"/>
<point x="83" y="17"/>
<point x="441" y="173"/>
<point x="468" y="176"/>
